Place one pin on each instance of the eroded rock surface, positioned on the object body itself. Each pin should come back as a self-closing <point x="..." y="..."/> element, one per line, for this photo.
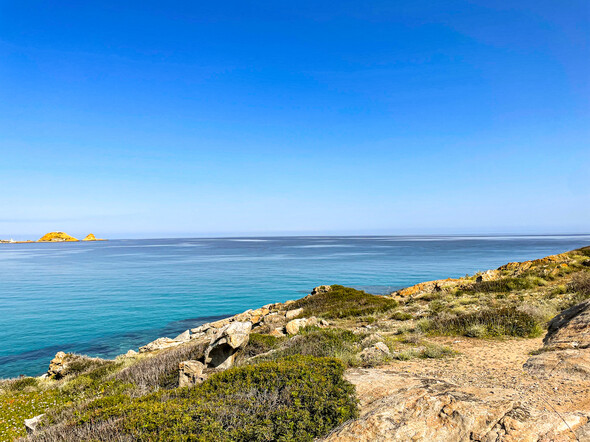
<point x="159" y="344"/>
<point x="566" y="347"/>
<point x="226" y="343"/>
<point x="400" y="407"/>
<point x="190" y="373"/>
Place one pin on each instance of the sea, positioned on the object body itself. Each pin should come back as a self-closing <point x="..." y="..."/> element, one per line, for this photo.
<point x="104" y="298"/>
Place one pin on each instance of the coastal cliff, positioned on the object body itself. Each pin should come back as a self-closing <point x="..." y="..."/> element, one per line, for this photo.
<point x="502" y="355"/>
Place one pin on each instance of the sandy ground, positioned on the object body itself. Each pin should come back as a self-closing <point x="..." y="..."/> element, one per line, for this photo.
<point x="489" y="364"/>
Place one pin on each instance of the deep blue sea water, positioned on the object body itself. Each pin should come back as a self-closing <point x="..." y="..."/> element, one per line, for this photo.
<point x="103" y="298"/>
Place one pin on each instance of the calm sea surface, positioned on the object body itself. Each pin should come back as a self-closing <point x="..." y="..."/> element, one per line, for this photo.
<point x="103" y="298"/>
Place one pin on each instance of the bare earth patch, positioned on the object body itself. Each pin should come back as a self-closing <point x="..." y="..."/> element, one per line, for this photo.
<point x="481" y="394"/>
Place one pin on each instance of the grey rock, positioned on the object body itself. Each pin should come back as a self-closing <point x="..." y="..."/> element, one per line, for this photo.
<point x="226" y="343"/>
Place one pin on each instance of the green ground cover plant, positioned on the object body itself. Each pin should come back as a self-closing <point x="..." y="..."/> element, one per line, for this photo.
<point x="298" y="398"/>
<point x="486" y="323"/>
<point x="344" y="302"/>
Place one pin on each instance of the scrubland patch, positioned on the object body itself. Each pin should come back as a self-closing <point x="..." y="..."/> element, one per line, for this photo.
<point x="486" y="323"/>
<point x="298" y="398"/>
<point x="344" y="302"/>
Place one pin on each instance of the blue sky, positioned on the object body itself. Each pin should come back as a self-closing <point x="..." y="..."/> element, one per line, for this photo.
<point x="143" y="119"/>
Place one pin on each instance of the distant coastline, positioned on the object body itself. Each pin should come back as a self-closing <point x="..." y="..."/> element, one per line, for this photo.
<point x="53" y="237"/>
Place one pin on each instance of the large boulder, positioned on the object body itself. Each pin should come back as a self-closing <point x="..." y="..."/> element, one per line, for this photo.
<point x="190" y="373"/>
<point x="567" y="345"/>
<point x="291" y="314"/>
<point x="226" y="343"/>
<point x="295" y="325"/>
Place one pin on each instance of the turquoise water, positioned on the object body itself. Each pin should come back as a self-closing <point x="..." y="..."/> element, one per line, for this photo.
<point x="103" y="298"/>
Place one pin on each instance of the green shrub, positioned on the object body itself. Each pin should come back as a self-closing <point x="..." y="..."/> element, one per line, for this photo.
<point x="313" y="341"/>
<point x="344" y="302"/>
<point x="431" y="351"/>
<point x="298" y="398"/>
<point x="580" y="284"/>
<point x="401" y="316"/>
<point x="508" y="284"/>
<point x="493" y="322"/>
<point x="22" y="383"/>
<point x="259" y="344"/>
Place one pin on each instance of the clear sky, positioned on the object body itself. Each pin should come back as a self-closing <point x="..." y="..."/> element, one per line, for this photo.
<point x="187" y="118"/>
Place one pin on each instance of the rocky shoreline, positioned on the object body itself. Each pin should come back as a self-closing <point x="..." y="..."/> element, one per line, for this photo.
<point x="502" y="355"/>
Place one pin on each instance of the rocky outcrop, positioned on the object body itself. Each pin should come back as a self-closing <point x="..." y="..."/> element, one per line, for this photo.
<point x="295" y="325"/>
<point x="375" y="353"/>
<point x="550" y="266"/>
<point x="190" y="373"/>
<point x="57" y="237"/>
<point x="321" y="289"/>
<point x="91" y="237"/>
<point x="226" y="343"/>
<point x="159" y="344"/>
<point x="570" y="329"/>
<point x="58" y="365"/>
<point x="399" y="407"/>
<point x="566" y="346"/>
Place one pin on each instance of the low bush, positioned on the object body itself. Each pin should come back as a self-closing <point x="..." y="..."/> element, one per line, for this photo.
<point x="299" y="398"/>
<point x="430" y="351"/>
<point x="21" y="384"/>
<point x="344" y="302"/>
<point x="333" y="343"/>
<point x="508" y="284"/>
<point x="401" y="316"/>
<point x="492" y="322"/>
<point x="259" y="344"/>
<point x="580" y="284"/>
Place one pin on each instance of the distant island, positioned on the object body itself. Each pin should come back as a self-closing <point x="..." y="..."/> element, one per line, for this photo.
<point x="54" y="237"/>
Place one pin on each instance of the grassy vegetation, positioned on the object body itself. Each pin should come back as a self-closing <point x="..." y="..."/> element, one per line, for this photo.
<point x="486" y="323"/>
<point x="508" y="284"/>
<point x="260" y="344"/>
<point x="344" y="302"/>
<point x="580" y="285"/>
<point x="430" y="351"/>
<point x="298" y="398"/>
<point x="313" y="341"/>
<point x="17" y="405"/>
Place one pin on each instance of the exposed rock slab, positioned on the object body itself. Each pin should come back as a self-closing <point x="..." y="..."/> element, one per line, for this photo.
<point x="570" y="329"/>
<point x="398" y="407"/>
<point x="159" y="344"/>
<point x="566" y="347"/>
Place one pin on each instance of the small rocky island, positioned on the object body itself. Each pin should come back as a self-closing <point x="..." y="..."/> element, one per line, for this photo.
<point x="54" y="237"/>
<point x="502" y="355"/>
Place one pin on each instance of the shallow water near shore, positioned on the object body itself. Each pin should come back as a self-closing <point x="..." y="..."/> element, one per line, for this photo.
<point x="103" y="298"/>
